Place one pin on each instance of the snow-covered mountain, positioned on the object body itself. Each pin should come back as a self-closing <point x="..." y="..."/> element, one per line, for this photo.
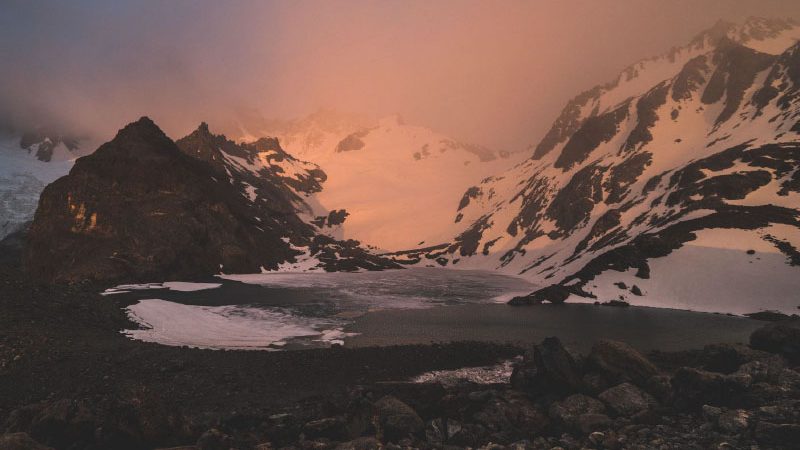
<point x="398" y="183"/>
<point x="680" y="177"/>
<point x="28" y="162"/>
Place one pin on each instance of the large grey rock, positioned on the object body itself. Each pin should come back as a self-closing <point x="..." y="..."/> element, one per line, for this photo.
<point x="626" y="399"/>
<point x="554" y="369"/>
<point x="620" y="362"/>
<point x="396" y="420"/>
<point x="568" y="411"/>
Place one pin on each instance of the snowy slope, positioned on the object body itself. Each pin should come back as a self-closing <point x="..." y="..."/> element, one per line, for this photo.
<point x="704" y="137"/>
<point x="398" y="183"/>
<point x="24" y="172"/>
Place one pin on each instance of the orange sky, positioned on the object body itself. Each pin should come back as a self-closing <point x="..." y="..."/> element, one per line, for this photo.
<point x="495" y="73"/>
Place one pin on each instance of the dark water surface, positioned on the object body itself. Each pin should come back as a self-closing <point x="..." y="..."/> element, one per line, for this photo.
<point x="302" y="310"/>
<point x="577" y="325"/>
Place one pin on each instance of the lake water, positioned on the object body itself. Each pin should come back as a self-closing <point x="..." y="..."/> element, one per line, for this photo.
<point x="297" y="310"/>
<point x="414" y="306"/>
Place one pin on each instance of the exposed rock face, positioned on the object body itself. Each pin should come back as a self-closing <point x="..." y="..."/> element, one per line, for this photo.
<point x="141" y="208"/>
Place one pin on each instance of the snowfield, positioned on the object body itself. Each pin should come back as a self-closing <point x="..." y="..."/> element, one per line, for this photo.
<point x="22" y="178"/>
<point x="399" y="183"/>
<point x="701" y="139"/>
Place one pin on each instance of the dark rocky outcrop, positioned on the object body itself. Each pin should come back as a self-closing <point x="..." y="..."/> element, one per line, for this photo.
<point x="140" y="208"/>
<point x="352" y="142"/>
<point x="594" y="131"/>
<point x="737" y="67"/>
<point x="551" y="294"/>
<point x="471" y="193"/>
<point x="646" y="108"/>
<point x="334" y="218"/>
<point x="573" y="204"/>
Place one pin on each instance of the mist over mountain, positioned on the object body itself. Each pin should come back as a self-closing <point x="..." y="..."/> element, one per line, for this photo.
<point x="350" y="224"/>
<point x="493" y="76"/>
<point x="656" y="186"/>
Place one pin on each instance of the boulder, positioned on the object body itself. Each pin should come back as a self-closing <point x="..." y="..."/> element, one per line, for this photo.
<point x="780" y="339"/>
<point x="620" y="362"/>
<point x="556" y="370"/>
<point x="626" y="399"/>
<point x="395" y="420"/>
<point x="568" y="411"/>
<point x="510" y="414"/>
<point x="547" y="369"/>
<point x="660" y="387"/>
<point x="767" y="370"/>
<point x="595" y="383"/>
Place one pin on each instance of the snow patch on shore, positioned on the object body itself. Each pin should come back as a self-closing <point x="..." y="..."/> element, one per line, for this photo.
<point x="714" y="273"/>
<point x="227" y="327"/>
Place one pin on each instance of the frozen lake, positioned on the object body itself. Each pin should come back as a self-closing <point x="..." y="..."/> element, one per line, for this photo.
<point x="295" y="310"/>
<point x="414" y="306"/>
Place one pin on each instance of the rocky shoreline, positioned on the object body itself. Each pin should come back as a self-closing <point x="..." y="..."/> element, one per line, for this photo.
<point x="69" y="380"/>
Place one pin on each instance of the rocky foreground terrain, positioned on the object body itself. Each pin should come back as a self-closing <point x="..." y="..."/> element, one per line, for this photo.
<point x="69" y="380"/>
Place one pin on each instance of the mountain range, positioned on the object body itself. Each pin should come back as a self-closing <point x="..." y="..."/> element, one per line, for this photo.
<point x="677" y="179"/>
<point x="399" y="183"/>
<point x="693" y="152"/>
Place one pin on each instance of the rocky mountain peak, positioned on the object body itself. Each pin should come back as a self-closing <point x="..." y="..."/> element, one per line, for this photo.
<point x="138" y="139"/>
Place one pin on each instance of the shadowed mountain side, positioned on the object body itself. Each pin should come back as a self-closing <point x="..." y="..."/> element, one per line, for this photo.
<point x="139" y="208"/>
